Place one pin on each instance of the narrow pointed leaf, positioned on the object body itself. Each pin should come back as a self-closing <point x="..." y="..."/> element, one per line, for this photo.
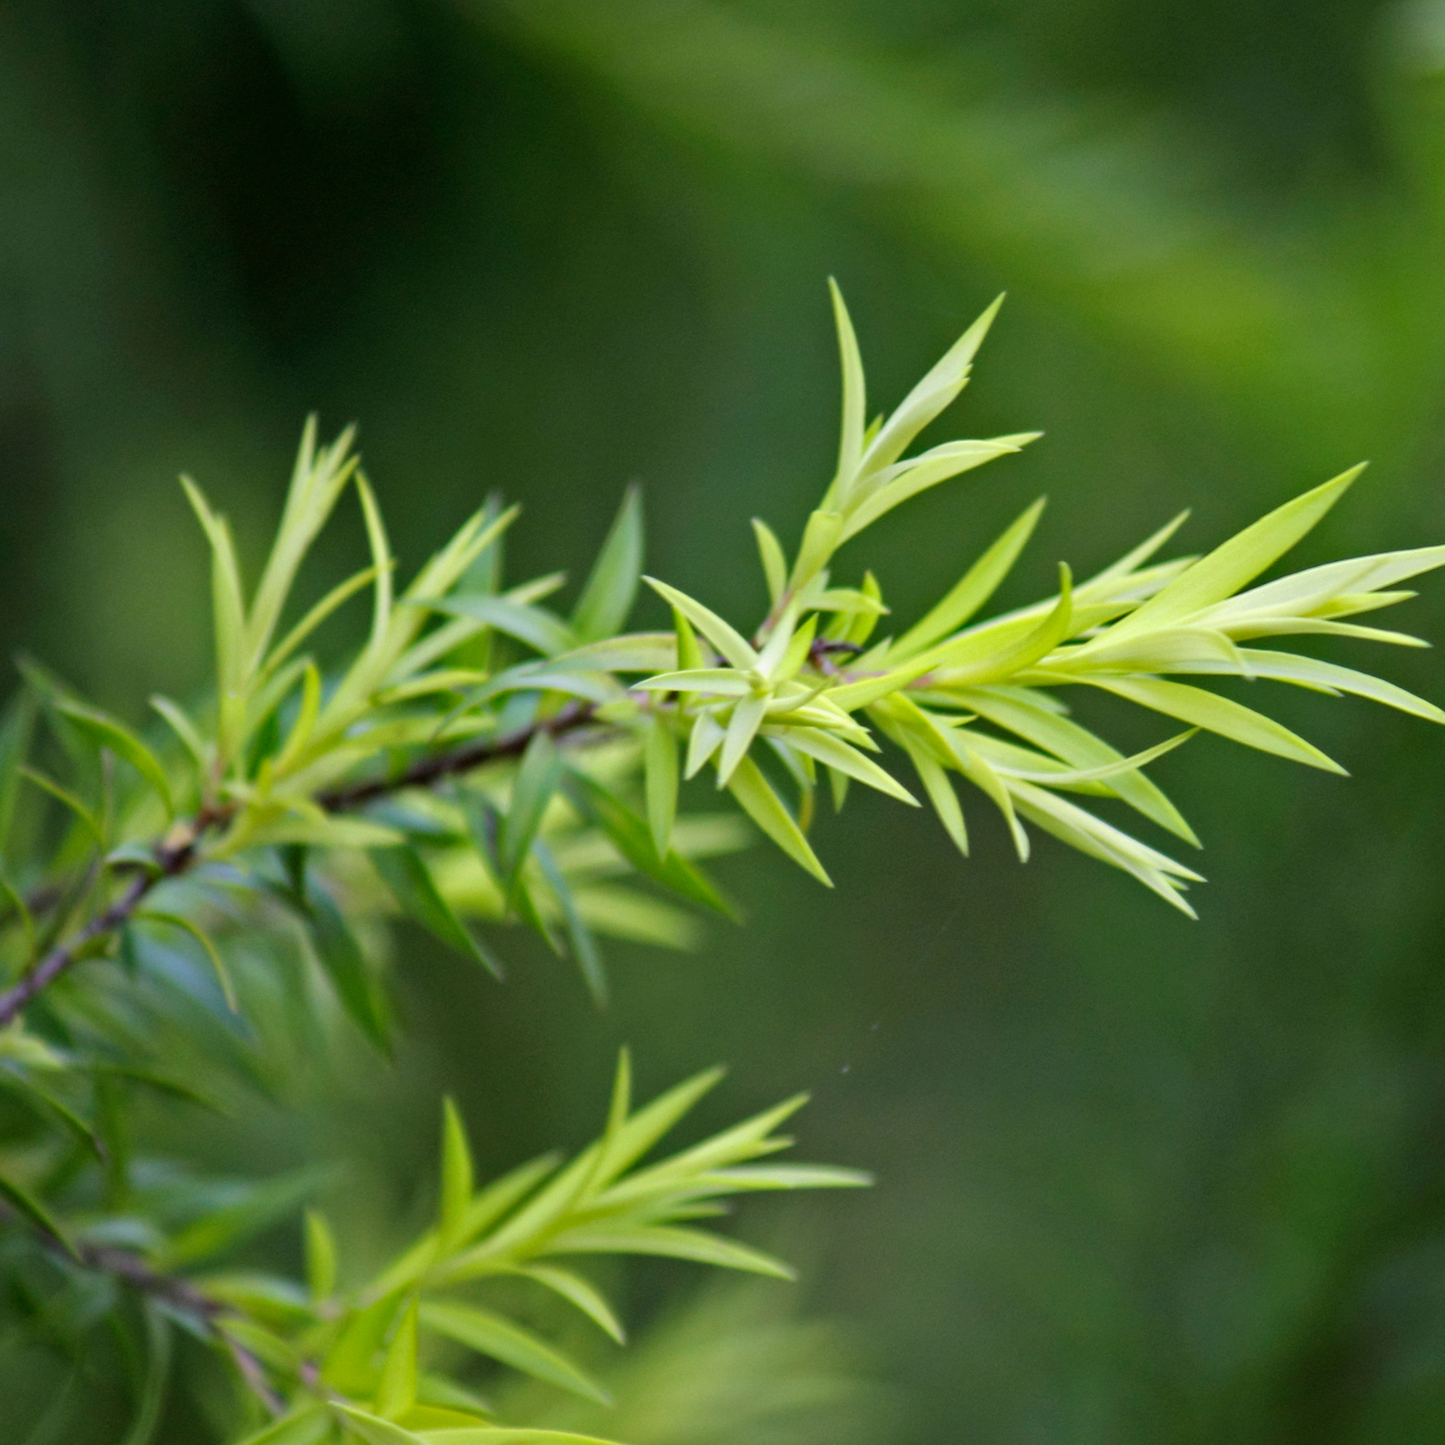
<point x="941" y="794"/>
<point x="750" y="1177"/>
<point x="577" y="1291"/>
<point x="855" y="402"/>
<point x="1238" y="561"/>
<point x="213" y="956"/>
<point x="498" y="1435"/>
<point x="456" y="1178"/>
<point x="1312" y="672"/>
<point x="672" y="1243"/>
<point x="939" y="465"/>
<point x="715" y="681"/>
<point x="838" y="755"/>
<point x="610" y="589"/>
<point x="742" y="728"/>
<point x="757" y="799"/>
<point x="228" y="605"/>
<point x="579" y="935"/>
<point x="631" y="652"/>
<point x="536" y="781"/>
<point x="775" y="566"/>
<point x="181" y="724"/>
<point x="500" y="1339"/>
<point x="320" y="1256"/>
<point x="1136" y="557"/>
<point x="363" y="1425"/>
<point x="21" y="1199"/>
<point x="341" y="958"/>
<point x="540" y="630"/>
<point x="723" y="636"/>
<point x="820" y="540"/>
<point x="1218" y="715"/>
<point x="989" y="662"/>
<point x="689" y="653"/>
<point x="1090" y="835"/>
<point x="396" y="1391"/>
<point x="938" y="388"/>
<point x="633" y="839"/>
<point x="851" y="696"/>
<point x="308" y="1425"/>
<point x="413" y="887"/>
<point x="1030" y="715"/>
<point x="705" y="739"/>
<point x="1103" y="773"/>
<point x="65" y="797"/>
<point x="980" y="773"/>
<point x="860" y="629"/>
<point x="342" y="592"/>
<point x="975" y="588"/>
<point x="649" y="1124"/>
<point x="380" y="561"/>
<point x="108" y="733"/>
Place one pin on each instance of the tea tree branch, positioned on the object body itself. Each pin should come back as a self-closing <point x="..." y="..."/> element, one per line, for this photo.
<point x="563" y="742"/>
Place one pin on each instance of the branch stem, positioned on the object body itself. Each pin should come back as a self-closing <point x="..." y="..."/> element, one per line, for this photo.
<point x="175" y="855"/>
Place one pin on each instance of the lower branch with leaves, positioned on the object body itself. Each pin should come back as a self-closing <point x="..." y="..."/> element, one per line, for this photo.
<point x="484" y="761"/>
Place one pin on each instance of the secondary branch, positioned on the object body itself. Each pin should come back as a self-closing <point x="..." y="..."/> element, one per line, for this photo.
<point x="175" y="858"/>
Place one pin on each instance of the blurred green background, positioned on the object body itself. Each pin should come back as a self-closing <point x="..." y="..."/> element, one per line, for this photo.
<point x="1141" y="1180"/>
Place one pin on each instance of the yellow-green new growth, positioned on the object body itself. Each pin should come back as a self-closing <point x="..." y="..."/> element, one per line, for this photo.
<point x="978" y="701"/>
<point x="356" y="1366"/>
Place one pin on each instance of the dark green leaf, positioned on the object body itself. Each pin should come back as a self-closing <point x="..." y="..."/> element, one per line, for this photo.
<point x="528" y="910"/>
<point x="165" y="1085"/>
<point x="22" y="912"/>
<point x="415" y="890"/>
<point x="15" y="738"/>
<point x="218" y="964"/>
<point x="23" y="1083"/>
<point x="222" y="1229"/>
<point x="633" y="839"/>
<point x="21" y="1199"/>
<point x="345" y="965"/>
<point x="293" y="861"/>
<point x="584" y="945"/>
<point x="152" y="1396"/>
<point x="64" y="796"/>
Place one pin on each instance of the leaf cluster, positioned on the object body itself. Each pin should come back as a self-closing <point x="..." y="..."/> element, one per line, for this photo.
<point x="363" y="1363"/>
